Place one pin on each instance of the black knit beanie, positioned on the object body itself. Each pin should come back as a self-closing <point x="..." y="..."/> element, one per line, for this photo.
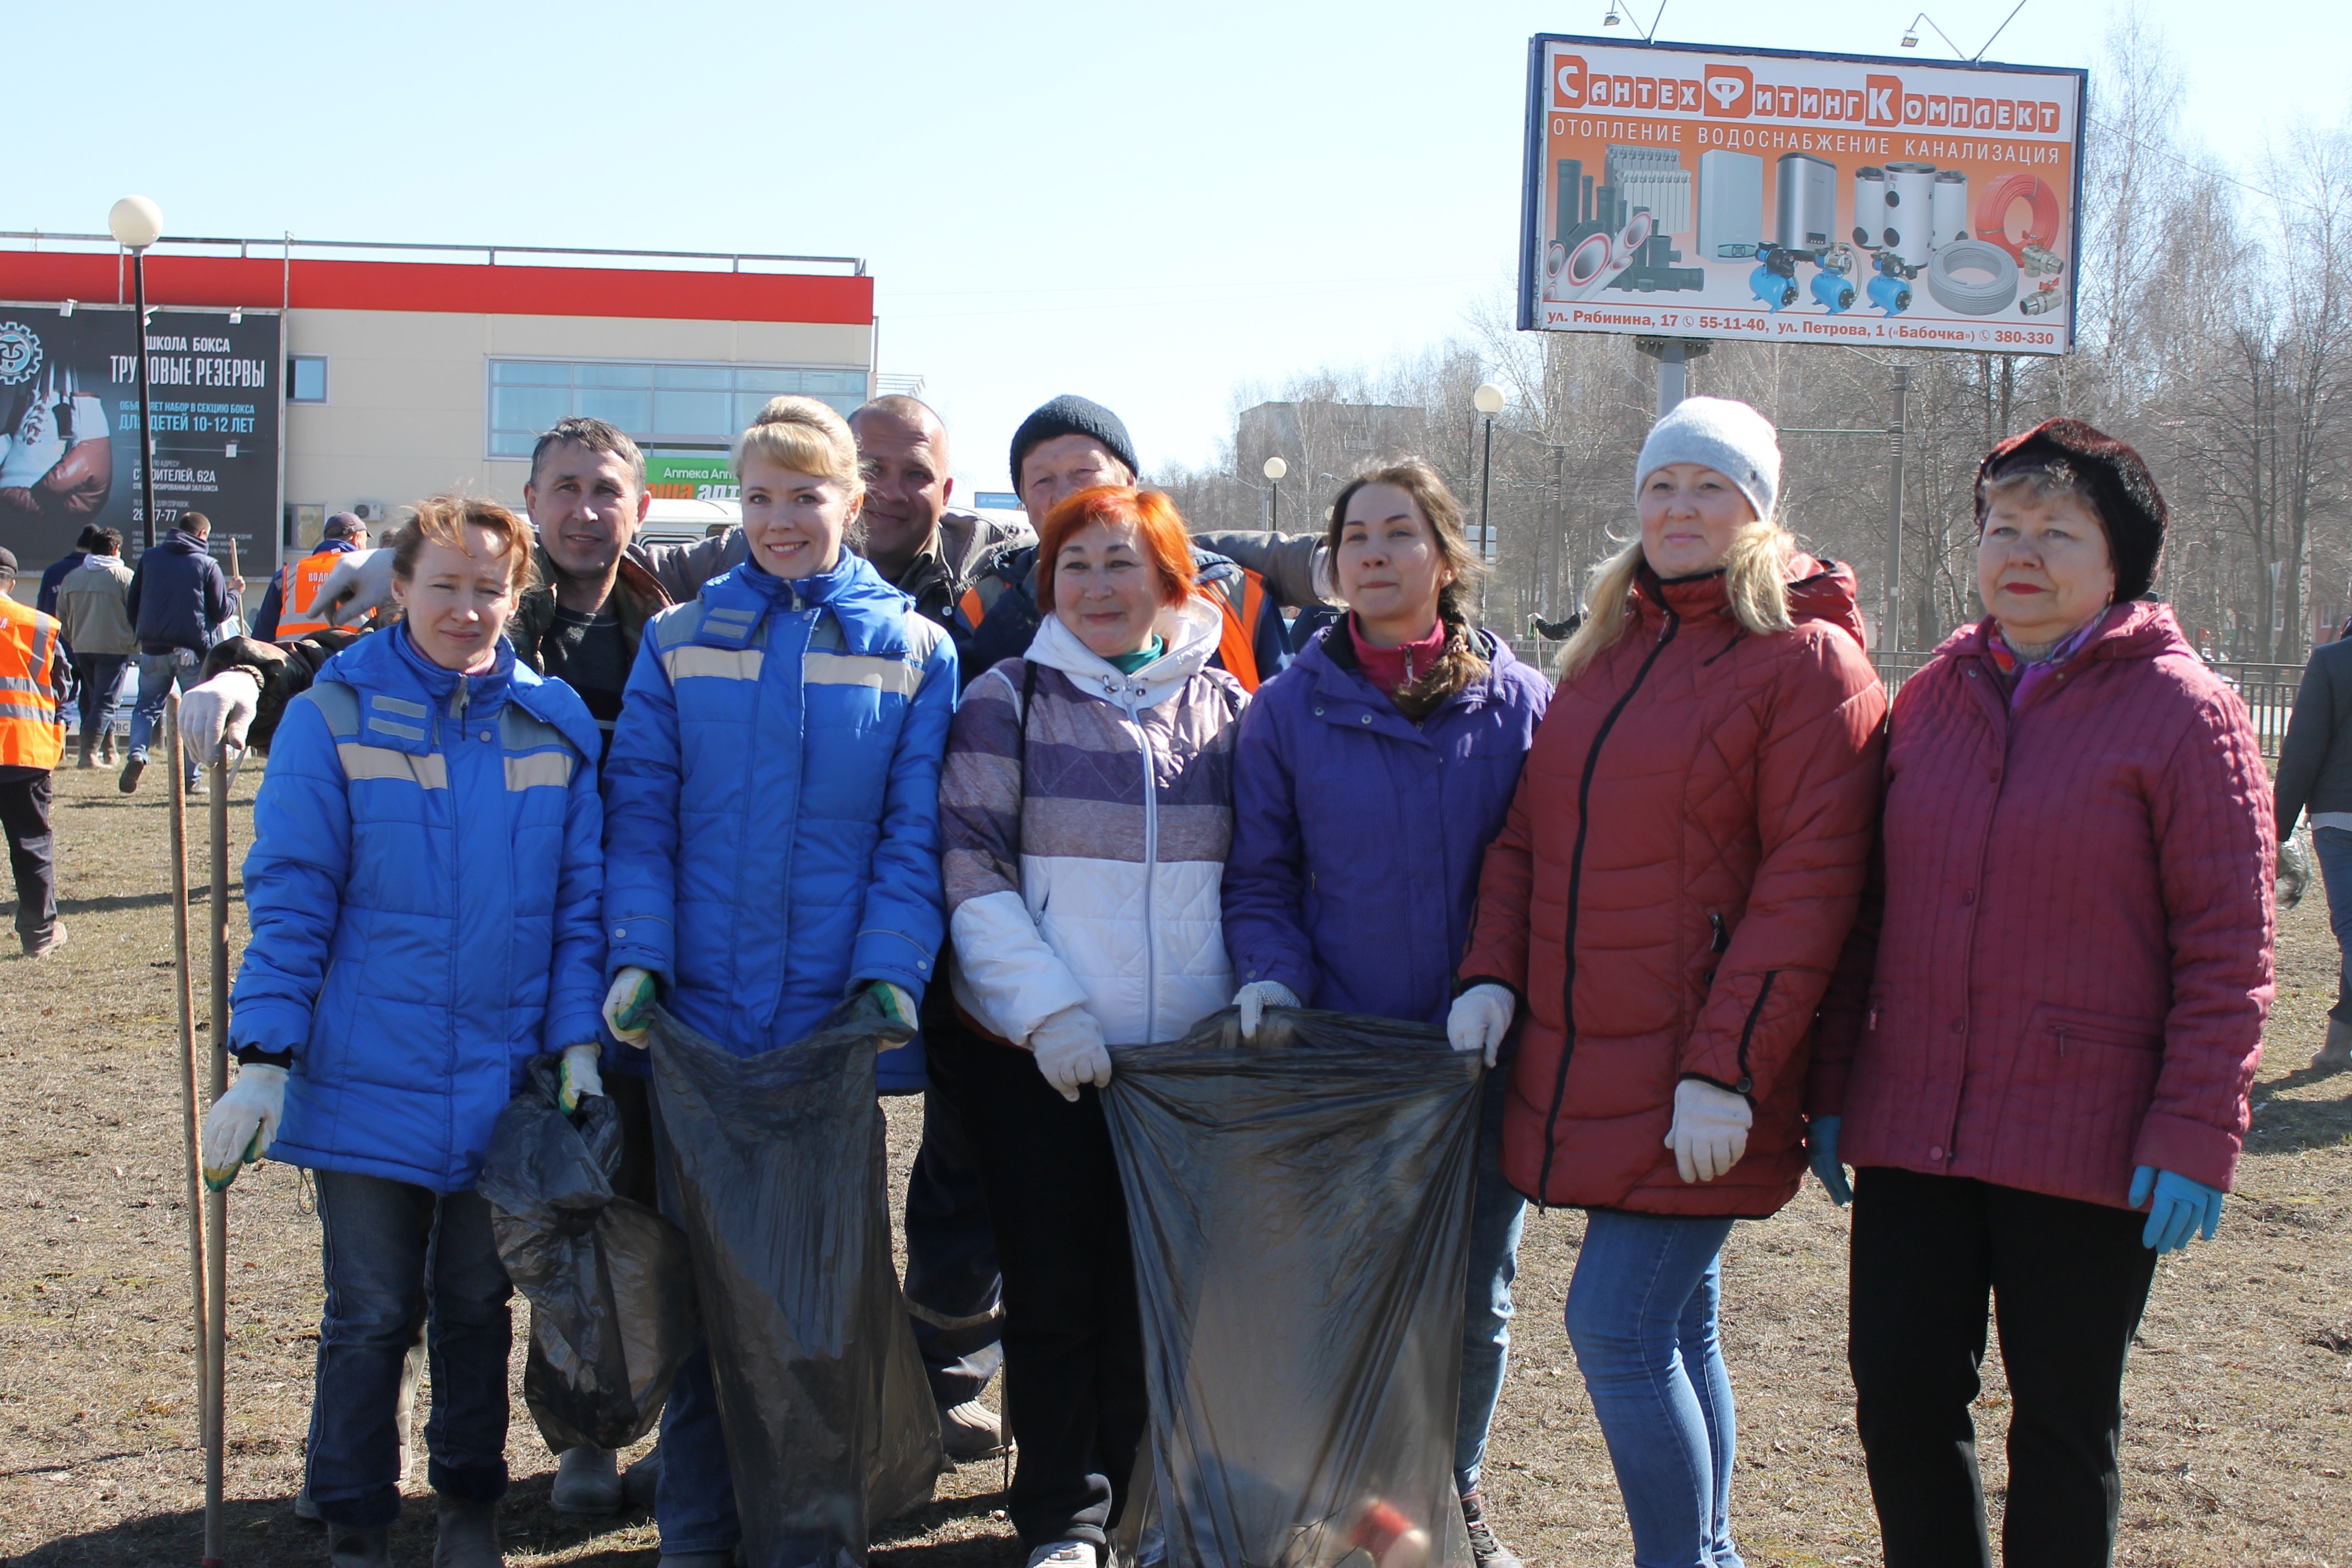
<point x="2130" y="507"/>
<point x="1070" y="414"/>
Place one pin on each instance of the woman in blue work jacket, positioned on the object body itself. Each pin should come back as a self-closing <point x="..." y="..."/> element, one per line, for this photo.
<point x="424" y="889"/>
<point x="773" y="838"/>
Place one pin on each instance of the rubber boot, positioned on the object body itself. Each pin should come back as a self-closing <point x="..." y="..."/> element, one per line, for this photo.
<point x="2337" y="1051"/>
<point x="468" y="1536"/>
<point x="587" y="1484"/>
<point x="349" y="1548"/>
<point x="88" y="758"/>
<point x="642" y="1481"/>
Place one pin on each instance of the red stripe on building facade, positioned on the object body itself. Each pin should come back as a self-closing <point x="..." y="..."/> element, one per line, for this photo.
<point x="260" y="283"/>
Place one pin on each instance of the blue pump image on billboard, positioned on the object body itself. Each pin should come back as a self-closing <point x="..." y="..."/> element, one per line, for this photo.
<point x="1678" y="191"/>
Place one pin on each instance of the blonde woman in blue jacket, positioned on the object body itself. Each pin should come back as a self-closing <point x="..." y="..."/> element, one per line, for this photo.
<point x="424" y="889"/>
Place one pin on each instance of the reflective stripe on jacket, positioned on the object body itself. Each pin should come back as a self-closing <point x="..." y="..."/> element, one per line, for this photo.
<point x="32" y="688"/>
<point x="424" y="889"/>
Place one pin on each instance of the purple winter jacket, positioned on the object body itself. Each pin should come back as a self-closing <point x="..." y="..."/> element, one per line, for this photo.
<point x="1358" y="835"/>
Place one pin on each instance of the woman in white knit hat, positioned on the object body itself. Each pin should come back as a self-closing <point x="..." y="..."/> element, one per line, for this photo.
<point x="1660" y="916"/>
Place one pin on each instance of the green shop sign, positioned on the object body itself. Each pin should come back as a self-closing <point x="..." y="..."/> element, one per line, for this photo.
<point x="692" y="478"/>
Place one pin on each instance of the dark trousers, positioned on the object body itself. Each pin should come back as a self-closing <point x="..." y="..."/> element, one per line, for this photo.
<point x="100" y="676"/>
<point x="25" y="796"/>
<point x="1074" y="1388"/>
<point x="950" y="1251"/>
<point x="2068" y="1281"/>
<point x="393" y="1250"/>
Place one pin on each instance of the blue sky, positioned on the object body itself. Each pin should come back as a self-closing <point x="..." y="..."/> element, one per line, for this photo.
<point x="1146" y="205"/>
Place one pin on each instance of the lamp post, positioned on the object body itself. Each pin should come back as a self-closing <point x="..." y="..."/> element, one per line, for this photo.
<point x="1488" y="401"/>
<point x="137" y="222"/>
<point x="1275" y="469"/>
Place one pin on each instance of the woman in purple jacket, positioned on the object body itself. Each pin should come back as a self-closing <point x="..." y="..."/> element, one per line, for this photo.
<point x="1367" y="779"/>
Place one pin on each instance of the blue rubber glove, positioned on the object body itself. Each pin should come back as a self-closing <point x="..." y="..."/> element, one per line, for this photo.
<point x="2182" y="1208"/>
<point x="1821" y="1148"/>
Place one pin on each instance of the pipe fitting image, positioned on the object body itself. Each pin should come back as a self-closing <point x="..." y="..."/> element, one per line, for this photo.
<point x="1973" y="297"/>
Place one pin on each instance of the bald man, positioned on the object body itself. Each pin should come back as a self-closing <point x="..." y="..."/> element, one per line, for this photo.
<point x="912" y="538"/>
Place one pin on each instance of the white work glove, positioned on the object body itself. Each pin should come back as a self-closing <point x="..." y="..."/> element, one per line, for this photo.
<point x="1256" y="997"/>
<point x="243" y="1123"/>
<point x="1480" y="1017"/>
<point x="361" y="581"/>
<point x="1710" y="1130"/>
<point x="217" y="715"/>
<point x="1069" y="1049"/>
<point x="577" y="1077"/>
<point x="629" y="1006"/>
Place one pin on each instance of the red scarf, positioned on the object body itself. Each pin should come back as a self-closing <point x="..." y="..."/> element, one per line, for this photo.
<point x="1393" y="668"/>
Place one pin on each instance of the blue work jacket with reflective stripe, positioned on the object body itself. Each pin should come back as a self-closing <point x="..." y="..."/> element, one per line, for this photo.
<point x="424" y="890"/>
<point x="772" y="836"/>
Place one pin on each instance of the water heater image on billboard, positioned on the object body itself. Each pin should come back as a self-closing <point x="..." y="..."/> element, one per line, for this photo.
<point x="1677" y="191"/>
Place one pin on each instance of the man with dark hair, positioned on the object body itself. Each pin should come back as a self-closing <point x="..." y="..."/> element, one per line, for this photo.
<point x="176" y="598"/>
<point x="283" y="615"/>
<point x="94" y="607"/>
<point x="32" y="742"/>
<point x="46" y="601"/>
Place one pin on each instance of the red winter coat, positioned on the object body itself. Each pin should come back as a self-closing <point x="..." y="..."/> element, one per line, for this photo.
<point x="2074" y="960"/>
<point x="1680" y="868"/>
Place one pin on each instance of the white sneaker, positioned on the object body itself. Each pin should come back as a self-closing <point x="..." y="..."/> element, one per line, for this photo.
<point x="1065" y="1554"/>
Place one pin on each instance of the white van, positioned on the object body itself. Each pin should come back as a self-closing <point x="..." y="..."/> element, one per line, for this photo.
<point x="686" y="521"/>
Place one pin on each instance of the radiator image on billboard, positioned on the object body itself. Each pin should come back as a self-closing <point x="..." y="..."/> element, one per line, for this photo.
<point x="1677" y="191"/>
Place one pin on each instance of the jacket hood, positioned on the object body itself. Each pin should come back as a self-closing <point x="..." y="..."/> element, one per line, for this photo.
<point x="1819" y="590"/>
<point x="871" y="613"/>
<point x="179" y="542"/>
<point x="2138" y="628"/>
<point x="109" y="565"/>
<point x="1192" y="630"/>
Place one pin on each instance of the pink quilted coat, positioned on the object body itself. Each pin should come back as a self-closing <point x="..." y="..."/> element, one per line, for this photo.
<point x="2073" y="961"/>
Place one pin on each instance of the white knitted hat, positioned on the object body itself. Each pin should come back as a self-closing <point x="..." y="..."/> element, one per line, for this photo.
<point x="1725" y="435"/>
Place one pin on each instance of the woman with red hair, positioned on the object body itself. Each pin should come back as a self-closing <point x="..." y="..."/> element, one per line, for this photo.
<point x="1087" y="806"/>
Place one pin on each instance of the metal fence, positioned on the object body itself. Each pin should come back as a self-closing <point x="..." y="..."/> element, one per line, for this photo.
<point x="2268" y="690"/>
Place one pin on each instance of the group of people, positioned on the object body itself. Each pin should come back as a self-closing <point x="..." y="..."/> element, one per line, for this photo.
<point x="1707" y="915"/>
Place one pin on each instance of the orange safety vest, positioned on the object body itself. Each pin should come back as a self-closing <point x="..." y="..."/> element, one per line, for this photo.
<point x="1237" y="647"/>
<point x="298" y="585"/>
<point x="32" y="734"/>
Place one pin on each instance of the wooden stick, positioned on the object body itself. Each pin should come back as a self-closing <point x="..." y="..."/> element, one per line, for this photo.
<point x="191" y="1148"/>
<point x="216" y="1204"/>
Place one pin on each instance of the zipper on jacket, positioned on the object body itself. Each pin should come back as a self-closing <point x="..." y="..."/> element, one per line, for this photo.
<point x="1150" y="877"/>
<point x="1748" y="1030"/>
<point x="1722" y="942"/>
<point x="1575" y="892"/>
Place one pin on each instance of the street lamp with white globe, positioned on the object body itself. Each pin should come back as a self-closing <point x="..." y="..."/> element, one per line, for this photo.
<point x="1275" y="469"/>
<point x="1488" y="401"/>
<point x="137" y="222"/>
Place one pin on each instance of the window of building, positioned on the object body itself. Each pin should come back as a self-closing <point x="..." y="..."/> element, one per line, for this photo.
<point x="659" y="404"/>
<point x="306" y="378"/>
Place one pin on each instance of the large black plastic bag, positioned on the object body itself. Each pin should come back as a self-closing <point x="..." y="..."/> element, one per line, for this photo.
<point x="777" y="1162"/>
<point x="1300" y="1210"/>
<point x="612" y="1313"/>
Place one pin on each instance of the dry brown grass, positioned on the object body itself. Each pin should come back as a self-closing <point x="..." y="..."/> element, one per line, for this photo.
<point x="2235" y="1452"/>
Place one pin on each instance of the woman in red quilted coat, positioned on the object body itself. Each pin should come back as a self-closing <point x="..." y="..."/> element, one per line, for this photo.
<point x="1677" y="877"/>
<point x="2061" y="1020"/>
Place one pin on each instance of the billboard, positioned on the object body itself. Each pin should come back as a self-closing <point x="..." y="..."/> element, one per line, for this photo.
<point x="69" y="427"/>
<point x="701" y="478"/>
<point x="1758" y="194"/>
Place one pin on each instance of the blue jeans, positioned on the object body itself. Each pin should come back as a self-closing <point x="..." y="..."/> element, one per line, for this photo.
<point x="100" y="676"/>
<point x="393" y="1251"/>
<point x="158" y="672"/>
<point x="1641" y="1314"/>
<point x="2334" y="845"/>
<point x="1498" y="1214"/>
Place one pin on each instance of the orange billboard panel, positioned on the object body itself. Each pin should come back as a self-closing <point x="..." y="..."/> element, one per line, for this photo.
<point x="1677" y="191"/>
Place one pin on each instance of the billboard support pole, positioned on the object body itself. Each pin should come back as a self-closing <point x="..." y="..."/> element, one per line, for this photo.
<point x="1673" y="356"/>
<point x="1891" y="636"/>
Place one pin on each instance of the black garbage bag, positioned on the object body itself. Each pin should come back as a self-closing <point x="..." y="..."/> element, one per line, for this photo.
<point x="611" y="1312"/>
<point x="777" y="1162"/>
<point x="1300" y="1209"/>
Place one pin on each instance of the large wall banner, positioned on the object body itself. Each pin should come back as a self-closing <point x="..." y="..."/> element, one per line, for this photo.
<point x="1675" y="191"/>
<point x="69" y="427"/>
